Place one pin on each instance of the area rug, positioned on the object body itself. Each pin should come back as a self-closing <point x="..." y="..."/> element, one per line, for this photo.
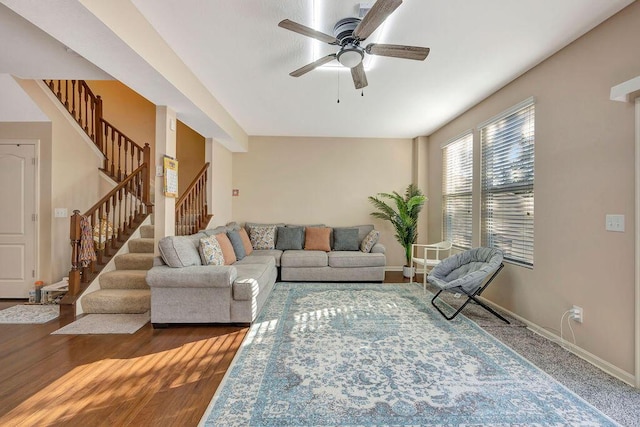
<point x="29" y="314"/>
<point x="105" y="324"/>
<point x="379" y="354"/>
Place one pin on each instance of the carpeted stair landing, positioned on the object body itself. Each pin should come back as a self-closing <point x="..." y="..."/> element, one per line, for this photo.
<point x="125" y="290"/>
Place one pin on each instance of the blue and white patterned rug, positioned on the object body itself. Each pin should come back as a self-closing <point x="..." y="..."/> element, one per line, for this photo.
<point x="375" y="354"/>
<point x="29" y="313"/>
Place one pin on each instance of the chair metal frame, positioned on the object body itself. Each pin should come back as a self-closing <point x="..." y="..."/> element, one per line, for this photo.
<point x="439" y="248"/>
<point x="471" y="297"/>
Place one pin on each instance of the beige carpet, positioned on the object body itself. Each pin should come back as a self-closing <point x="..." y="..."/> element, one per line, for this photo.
<point x="105" y="324"/>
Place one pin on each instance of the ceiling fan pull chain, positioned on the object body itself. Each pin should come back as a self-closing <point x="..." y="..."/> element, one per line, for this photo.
<point x="338" y="88"/>
<point x="362" y="93"/>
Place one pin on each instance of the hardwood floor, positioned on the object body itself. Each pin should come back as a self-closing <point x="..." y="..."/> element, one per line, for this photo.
<point x="163" y="377"/>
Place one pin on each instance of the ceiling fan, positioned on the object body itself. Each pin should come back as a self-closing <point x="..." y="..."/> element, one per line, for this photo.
<point x="348" y="34"/>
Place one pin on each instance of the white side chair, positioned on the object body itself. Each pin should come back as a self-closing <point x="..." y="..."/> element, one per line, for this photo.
<point x="428" y="256"/>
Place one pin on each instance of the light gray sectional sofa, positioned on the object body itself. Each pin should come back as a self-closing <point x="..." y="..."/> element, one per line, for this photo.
<point x="183" y="290"/>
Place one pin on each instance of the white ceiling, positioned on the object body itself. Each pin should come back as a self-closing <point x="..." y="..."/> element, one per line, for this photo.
<point x="240" y="54"/>
<point x="244" y="58"/>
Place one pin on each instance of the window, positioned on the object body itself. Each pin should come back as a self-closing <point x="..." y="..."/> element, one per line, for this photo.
<point x="507" y="144"/>
<point x="457" y="182"/>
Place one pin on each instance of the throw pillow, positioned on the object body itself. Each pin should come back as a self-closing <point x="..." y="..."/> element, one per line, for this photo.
<point x="345" y="239"/>
<point x="263" y="236"/>
<point x="180" y="251"/>
<point x="246" y="242"/>
<point x="236" y="242"/>
<point x="290" y="238"/>
<point x="369" y="241"/>
<point x="317" y="239"/>
<point x="227" y="249"/>
<point x="210" y="251"/>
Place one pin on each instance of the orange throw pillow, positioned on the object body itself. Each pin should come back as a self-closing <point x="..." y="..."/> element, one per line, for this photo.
<point x="317" y="239"/>
<point x="246" y="241"/>
<point x="227" y="248"/>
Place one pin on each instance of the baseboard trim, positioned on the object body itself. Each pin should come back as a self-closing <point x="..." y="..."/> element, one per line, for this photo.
<point x="599" y="363"/>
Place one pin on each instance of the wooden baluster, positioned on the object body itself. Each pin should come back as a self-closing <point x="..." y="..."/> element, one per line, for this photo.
<point x="73" y="98"/>
<point x="66" y="94"/>
<point x="74" y="235"/>
<point x="131" y="160"/>
<point x="86" y="112"/>
<point x="120" y="222"/>
<point x="92" y="130"/>
<point x="146" y="179"/>
<point x="119" y="157"/>
<point x="59" y="93"/>
<point x="113" y="153"/>
<point x="99" y="140"/>
<point x="125" y="169"/>
<point x="79" y="117"/>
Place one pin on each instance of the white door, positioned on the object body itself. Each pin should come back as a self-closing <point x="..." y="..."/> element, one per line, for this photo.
<point x="17" y="219"/>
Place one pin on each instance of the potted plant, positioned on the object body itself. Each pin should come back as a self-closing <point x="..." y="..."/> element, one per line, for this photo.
<point x="403" y="214"/>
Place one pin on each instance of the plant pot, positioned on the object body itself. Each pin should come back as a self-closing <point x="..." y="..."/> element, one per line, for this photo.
<point x="408" y="272"/>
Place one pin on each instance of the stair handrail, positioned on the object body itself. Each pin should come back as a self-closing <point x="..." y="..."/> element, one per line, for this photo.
<point x="111" y="219"/>
<point x="191" y="206"/>
<point x="76" y="97"/>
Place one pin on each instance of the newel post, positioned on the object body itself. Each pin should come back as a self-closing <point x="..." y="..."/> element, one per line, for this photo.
<point x="74" y="235"/>
<point x="146" y="177"/>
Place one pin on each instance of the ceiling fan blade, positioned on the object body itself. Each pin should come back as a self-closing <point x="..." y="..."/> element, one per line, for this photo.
<point x="376" y="16"/>
<point x="315" y="64"/>
<point x="398" y="51"/>
<point x="359" y="77"/>
<point x="306" y="31"/>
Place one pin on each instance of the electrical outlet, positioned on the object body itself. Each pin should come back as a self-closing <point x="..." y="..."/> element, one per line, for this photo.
<point x="577" y="314"/>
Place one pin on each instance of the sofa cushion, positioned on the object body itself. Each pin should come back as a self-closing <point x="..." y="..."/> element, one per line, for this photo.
<point x="304" y="258"/>
<point x="317" y="239"/>
<point x="236" y="242"/>
<point x="210" y="251"/>
<point x="290" y="238"/>
<point x="259" y="253"/>
<point x="249" y="225"/>
<point x="346" y="259"/>
<point x="227" y="248"/>
<point x="369" y="241"/>
<point x="181" y="251"/>
<point x="345" y="239"/>
<point x="263" y="236"/>
<point x="363" y="231"/>
<point x="246" y="242"/>
<point x="252" y="278"/>
<point x="214" y="231"/>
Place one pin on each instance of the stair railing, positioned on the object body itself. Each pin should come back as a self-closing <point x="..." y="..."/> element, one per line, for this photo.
<point x="112" y="220"/>
<point x="191" y="207"/>
<point x="121" y="154"/>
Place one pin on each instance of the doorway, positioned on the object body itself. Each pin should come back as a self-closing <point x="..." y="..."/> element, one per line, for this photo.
<point x="18" y="218"/>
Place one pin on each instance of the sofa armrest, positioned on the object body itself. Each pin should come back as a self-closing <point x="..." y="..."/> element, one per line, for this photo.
<point x="196" y="276"/>
<point x="378" y="248"/>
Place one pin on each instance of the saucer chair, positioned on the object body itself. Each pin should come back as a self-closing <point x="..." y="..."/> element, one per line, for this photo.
<point x="468" y="273"/>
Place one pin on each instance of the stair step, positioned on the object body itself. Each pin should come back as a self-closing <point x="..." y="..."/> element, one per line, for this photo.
<point x="147" y="231"/>
<point x="142" y="245"/>
<point x="117" y="301"/>
<point x="124" y="279"/>
<point x="134" y="261"/>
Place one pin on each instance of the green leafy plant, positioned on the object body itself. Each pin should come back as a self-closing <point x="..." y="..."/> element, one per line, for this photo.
<point x="402" y="213"/>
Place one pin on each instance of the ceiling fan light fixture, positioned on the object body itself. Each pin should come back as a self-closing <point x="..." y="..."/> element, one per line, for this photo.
<point x="350" y="56"/>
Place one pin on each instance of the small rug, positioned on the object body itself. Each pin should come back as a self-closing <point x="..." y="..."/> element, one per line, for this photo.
<point x="379" y="354"/>
<point x="105" y="324"/>
<point x="29" y="314"/>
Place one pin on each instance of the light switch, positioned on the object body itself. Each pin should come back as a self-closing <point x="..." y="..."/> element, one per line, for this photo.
<point x="60" y="212"/>
<point x="159" y="171"/>
<point x="614" y="223"/>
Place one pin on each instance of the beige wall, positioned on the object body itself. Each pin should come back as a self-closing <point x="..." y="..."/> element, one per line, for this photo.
<point x="321" y="180"/>
<point x="74" y="180"/>
<point x="221" y="177"/>
<point x="584" y="170"/>
<point x="190" y="154"/>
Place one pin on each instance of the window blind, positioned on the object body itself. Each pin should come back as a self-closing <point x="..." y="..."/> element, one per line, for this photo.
<point x="457" y="183"/>
<point x="507" y="218"/>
